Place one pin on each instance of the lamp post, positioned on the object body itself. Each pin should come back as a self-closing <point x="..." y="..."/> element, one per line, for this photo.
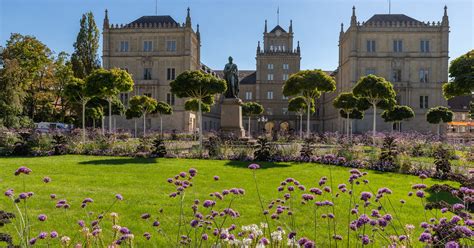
<point x="262" y="119"/>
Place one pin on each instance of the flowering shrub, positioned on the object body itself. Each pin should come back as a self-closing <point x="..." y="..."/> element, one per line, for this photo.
<point x="371" y="217"/>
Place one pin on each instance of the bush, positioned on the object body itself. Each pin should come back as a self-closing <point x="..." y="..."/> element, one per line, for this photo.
<point x="442" y="164"/>
<point x="159" y="149"/>
<point x="388" y="156"/>
<point x="262" y="150"/>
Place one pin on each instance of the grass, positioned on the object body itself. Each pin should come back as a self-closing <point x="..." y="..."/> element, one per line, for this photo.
<point x="142" y="182"/>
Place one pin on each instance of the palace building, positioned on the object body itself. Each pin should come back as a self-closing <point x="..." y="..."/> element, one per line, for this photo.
<point x="411" y="54"/>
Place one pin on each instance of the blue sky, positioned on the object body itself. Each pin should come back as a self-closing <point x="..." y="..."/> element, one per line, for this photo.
<point x="233" y="27"/>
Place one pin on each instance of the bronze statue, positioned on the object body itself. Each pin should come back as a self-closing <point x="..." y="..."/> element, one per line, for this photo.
<point x="232" y="78"/>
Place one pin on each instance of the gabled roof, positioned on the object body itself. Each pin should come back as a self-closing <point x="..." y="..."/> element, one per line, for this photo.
<point x="391" y="18"/>
<point x="278" y="27"/>
<point x="166" y="19"/>
<point x="460" y="103"/>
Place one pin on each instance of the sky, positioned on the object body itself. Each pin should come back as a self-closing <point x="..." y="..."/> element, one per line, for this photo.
<point x="233" y="27"/>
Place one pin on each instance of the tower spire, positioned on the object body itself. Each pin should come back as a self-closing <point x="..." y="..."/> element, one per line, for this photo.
<point x="291" y="26"/>
<point x="188" y="18"/>
<point x="278" y="15"/>
<point x="258" y="47"/>
<point x="106" y="19"/>
<point x="445" y="20"/>
<point x="353" y="17"/>
<point x="265" y="26"/>
<point x="198" y="34"/>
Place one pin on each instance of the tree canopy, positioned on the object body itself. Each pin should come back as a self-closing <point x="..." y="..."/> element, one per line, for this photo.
<point x="439" y="114"/>
<point x="193" y="105"/>
<point x="309" y="84"/>
<point x="197" y="85"/>
<point x="376" y="90"/>
<point x="85" y="58"/>
<point x="163" y="108"/>
<point x="143" y="104"/>
<point x="461" y="71"/>
<point x="353" y="114"/>
<point x="109" y="83"/>
<point x="252" y="109"/>
<point x="298" y="105"/>
<point x="346" y="101"/>
<point x="398" y="113"/>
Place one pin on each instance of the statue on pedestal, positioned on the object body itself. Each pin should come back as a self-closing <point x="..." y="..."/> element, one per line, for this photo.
<point x="231" y="76"/>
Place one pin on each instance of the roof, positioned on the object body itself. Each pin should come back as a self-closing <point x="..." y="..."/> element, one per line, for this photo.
<point x="460" y="103"/>
<point x="391" y="18"/>
<point x="245" y="76"/>
<point x="154" y="19"/>
<point x="278" y="27"/>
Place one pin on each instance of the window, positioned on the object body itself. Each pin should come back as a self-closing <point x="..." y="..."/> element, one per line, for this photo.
<point x="423" y="102"/>
<point x="284" y="111"/>
<point x="285" y="76"/>
<point x="269" y="77"/>
<point x="170" y="99"/>
<point x="396" y="75"/>
<point x="270" y="95"/>
<point x="423" y="75"/>
<point x="425" y="46"/>
<point x="270" y="66"/>
<point x="147" y="74"/>
<point x="170" y="74"/>
<point x="124" y="46"/>
<point x="284" y="97"/>
<point x="248" y="95"/>
<point x="147" y="94"/>
<point x="286" y="66"/>
<point x="371" y="46"/>
<point x="369" y="71"/>
<point x="398" y="46"/>
<point x="147" y="46"/>
<point x="124" y="98"/>
<point x="171" y="46"/>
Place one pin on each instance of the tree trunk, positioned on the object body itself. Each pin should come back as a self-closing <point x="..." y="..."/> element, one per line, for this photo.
<point x="351" y="125"/>
<point x="103" y="128"/>
<point x="249" y="127"/>
<point x="301" y="126"/>
<point x="161" y="126"/>
<point x="200" y="127"/>
<point x="110" y="115"/>
<point x="438" y="129"/>
<point x="347" y="125"/>
<point x="144" y="124"/>
<point x="84" y="122"/>
<point x="307" y="120"/>
<point x="135" y="120"/>
<point x="93" y="123"/>
<point x="374" y="122"/>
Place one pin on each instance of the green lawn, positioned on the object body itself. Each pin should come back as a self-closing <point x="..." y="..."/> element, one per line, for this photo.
<point x="142" y="182"/>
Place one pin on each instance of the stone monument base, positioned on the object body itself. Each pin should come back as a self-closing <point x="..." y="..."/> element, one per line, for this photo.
<point x="231" y="117"/>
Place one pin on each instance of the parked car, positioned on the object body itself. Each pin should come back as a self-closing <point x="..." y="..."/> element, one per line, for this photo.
<point x="47" y="127"/>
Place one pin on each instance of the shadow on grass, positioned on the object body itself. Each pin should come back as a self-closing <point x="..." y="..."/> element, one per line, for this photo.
<point x="263" y="165"/>
<point x="120" y="161"/>
<point x="442" y="196"/>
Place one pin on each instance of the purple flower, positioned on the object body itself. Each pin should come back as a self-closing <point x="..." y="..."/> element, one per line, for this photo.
<point x="264" y="241"/>
<point x="420" y="193"/>
<point x="365" y="196"/>
<point x="216" y="178"/>
<point x="145" y="216"/>
<point x="46" y="179"/>
<point x="147" y="235"/>
<point x="307" y="197"/>
<point x="204" y="236"/>
<point x="81" y="223"/>
<point x="23" y="170"/>
<point x="365" y="240"/>
<point x="254" y="166"/>
<point x="419" y="186"/>
<point x="52" y="196"/>
<point x="119" y="197"/>
<point x="194" y="223"/>
<point x="192" y="172"/>
<point x="424" y="237"/>
<point x="124" y="230"/>
<point x="53" y="234"/>
<point x="42" y="235"/>
<point x="23" y="196"/>
<point x="182" y="174"/>
<point x="42" y="217"/>
<point x="457" y="207"/>
<point x="9" y="193"/>
<point x="208" y="203"/>
<point x="423" y="176"/>
<point x="337" y="237"/>
<point x="156" y="223"/>
<point x="452" y="244"/>
<point x="316" y="191"/>
<point x="32" y="241"/>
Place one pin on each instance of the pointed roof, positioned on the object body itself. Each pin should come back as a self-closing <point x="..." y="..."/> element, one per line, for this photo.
<point x="391" y="18"/>
<point x="278" y="27"/>
<point x="164" y="19"/>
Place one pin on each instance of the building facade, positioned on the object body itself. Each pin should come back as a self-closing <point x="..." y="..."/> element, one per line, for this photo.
<point x="154" y="50"/>
<point x="461" y="129"/>
<point x="411" y="54"/>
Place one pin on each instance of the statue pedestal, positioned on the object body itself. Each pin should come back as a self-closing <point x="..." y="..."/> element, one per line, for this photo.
<point x="231" y="117"/>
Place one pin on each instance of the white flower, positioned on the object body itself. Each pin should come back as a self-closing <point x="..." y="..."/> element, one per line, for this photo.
<point x="246" y="241"/>
<point x="277" y="235"/>
<point x="263" y="225"/>
<point x="65" y="240"/>
<point x="293" y="243"/>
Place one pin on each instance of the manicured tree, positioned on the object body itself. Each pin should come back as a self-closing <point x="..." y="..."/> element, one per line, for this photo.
<point x="378" y="92"/>
<point x="353" y="115"/>
<point x="347" y="102"/>
<point x="439" y="114"/>
<point x="145" y="105"/>
<point x="76" y="92"/>
<point x="298" y="105"/>
<point x="108" y="84"/>
<point x="251" y="109"/>
<point x="462" y="73"/>
<point x="198" y="86"/>
<point x="309" y="84"/>
<point x="85" y="58"/>
<point x="95" y="113"/>
<point x="162" y="108"/>
<point x="133" y="113"/>
<point x="398" y="114"/>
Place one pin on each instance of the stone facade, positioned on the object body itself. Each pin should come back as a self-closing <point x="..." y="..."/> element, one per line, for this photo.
<point x="413" y="55"/>
<point x="461" y="129"/>
<point x="154" y="50"/>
